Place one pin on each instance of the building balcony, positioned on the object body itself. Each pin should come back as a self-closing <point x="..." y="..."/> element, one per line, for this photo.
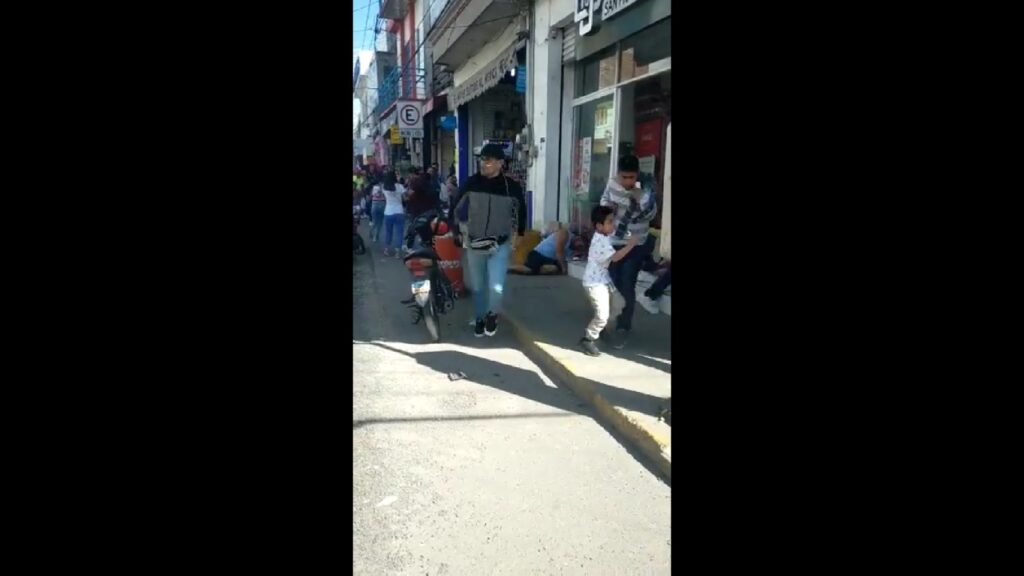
<point x="394" y="9"/>
<point x="408" y="85"/>
<point x="466" y="26"/>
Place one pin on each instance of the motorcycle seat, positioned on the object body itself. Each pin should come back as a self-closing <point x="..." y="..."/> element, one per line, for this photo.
<point x="425" y="252"/>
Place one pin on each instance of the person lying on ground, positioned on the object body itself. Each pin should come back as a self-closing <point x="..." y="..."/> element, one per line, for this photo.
<point x="549" y="257"/>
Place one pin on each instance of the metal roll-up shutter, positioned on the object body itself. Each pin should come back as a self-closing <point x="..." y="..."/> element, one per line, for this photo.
<point x="483" y="109"/>
<point x="569" y="44"/>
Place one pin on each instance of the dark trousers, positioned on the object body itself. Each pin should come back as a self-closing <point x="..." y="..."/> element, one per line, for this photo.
<point x="535" y="260"/>
<point x="624" y="274"/>
<point x="663" y="281"/>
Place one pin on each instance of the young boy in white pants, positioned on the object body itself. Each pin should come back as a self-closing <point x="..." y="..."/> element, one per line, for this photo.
<point x="596" y="280"/>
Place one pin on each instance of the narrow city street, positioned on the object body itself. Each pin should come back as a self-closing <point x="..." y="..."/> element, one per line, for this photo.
<point x="500" y="472"/>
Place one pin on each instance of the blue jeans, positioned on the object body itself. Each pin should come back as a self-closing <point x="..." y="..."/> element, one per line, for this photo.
<point x="624" y="274"/>
<point x="394" y="223"/>
<point x="487" y="274"/>
<point x="377" y="216"/>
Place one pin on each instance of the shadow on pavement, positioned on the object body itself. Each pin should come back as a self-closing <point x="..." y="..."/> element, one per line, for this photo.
<point x="380" y="316"/>
<point x="523" y="383"/>
<point x="638" y="356"/>
<point x="356" y="424"/>
<point x="529" y="385"/>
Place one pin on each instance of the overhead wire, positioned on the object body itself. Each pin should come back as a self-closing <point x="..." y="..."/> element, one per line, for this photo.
<point x="449" y="28"/>
<point x="365" y="22"/>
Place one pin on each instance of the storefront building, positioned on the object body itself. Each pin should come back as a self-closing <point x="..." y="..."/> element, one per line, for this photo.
<point x="405" y="82"/>
<point x="440" y="125"/>
<point x="481" y="43"/>
<point x="610" y="96"/>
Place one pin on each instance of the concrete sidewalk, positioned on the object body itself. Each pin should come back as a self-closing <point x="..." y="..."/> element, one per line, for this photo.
<point x="627" y="387"/>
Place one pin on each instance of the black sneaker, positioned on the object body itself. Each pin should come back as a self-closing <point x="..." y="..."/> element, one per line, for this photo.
<point x="619" y="339"/>
<point x="479" y="330"/>
<point x="589" y="348"/>
<point x="492" y="324"/>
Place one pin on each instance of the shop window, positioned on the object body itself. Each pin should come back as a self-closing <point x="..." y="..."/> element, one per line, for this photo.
<point x="592" y="159"/>
<point x="596" y="72"/>
<point x="652" y="45"/>
<point x="646" y="110"/>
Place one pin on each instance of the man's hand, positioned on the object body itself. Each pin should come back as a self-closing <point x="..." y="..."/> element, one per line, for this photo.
<point x="632" y="241"/>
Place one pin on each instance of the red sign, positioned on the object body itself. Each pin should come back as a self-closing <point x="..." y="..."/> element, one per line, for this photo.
<point x="648" y="138"/>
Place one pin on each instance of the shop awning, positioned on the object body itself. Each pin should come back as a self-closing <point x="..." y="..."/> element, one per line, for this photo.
<point x="486" y="78"/>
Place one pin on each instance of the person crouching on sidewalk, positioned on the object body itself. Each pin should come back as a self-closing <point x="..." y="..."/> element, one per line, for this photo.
<point x="596" y="279"/>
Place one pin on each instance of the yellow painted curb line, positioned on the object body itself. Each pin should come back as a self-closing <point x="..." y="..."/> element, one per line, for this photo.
<point x="653" y="445"/>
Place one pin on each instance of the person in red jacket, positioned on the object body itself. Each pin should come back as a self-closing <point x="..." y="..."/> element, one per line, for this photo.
<point x="421" y="196"/>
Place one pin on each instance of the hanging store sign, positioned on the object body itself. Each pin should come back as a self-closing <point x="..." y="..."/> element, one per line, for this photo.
<point x="484" y="79"/>
<point x="610" y="8"/>
<point x="587" y="10"/>
<point x="396" y="138"/>
<point x="410" y="118"/>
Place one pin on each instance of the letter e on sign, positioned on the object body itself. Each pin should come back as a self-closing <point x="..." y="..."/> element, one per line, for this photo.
<point x="409" y="115"/>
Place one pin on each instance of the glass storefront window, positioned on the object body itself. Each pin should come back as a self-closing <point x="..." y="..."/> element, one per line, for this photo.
<point x="596" y="72"/>
<point x="639" y="51"/>
<point x="631" y="119"/>
<point x="592" y="163"/>
<point x="645" y="110"/>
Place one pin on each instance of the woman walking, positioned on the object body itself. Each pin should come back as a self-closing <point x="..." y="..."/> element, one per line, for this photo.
<point x="377" y="205"/>
<point x="394" y="215"/>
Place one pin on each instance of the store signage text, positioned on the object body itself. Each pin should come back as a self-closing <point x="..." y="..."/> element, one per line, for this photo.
<point x="483" y="80"/>
<point x="586" y="12"/>
<point x="612" y="7"/>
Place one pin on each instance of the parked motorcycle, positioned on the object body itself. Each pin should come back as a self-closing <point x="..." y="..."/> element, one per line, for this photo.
<point x="432" y="292"/>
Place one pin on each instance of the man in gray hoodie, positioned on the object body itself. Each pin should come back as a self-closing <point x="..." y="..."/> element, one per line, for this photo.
<point x="635" y="206"/>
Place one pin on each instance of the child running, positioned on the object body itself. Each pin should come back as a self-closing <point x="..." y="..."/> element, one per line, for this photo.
<point x="596" y="280"/>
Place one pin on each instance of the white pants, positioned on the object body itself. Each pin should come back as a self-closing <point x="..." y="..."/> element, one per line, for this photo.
<point x="600" y="299"/>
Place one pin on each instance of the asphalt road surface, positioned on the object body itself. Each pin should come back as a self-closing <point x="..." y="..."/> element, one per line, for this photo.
<point x="502" y="472"/>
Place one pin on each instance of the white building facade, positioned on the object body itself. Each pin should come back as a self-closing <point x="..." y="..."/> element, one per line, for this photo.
<point x="600" y="88"/>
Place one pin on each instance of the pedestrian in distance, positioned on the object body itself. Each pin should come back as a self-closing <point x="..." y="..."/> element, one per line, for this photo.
<point x="596" y="279"/>
<point x="420" y="195"/>
<point x="448" y="192"/>
<point x="495" y="212"/>
<point x="634" y="207"/>
<point x="377" y="205"/>
<point x="394" y="215"/>
<point x="436" y="180"/>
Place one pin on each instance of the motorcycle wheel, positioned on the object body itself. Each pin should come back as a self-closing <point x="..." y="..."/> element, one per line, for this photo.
<point x="430" y="319"/>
